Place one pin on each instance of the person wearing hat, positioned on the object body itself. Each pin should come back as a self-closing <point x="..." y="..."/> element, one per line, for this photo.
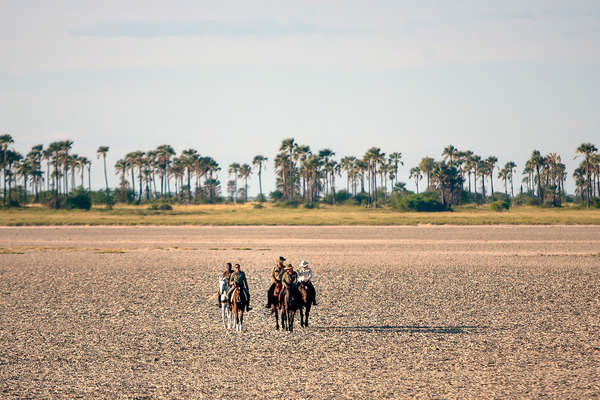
<point x="304" y="276"/>
<point x="238" y="277"/>
<point x="289" y="278"/>
<point x="276" y="273"/>
<point x="226" y="275"/>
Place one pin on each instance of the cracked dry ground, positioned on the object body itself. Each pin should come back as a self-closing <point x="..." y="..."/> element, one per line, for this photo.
<point x="126" y="312"/>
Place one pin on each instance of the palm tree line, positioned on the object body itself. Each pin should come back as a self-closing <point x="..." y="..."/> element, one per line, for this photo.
<point x="301" y="174"/>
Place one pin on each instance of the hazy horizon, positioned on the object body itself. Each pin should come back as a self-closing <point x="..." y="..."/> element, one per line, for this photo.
<point x="232" y="80"/>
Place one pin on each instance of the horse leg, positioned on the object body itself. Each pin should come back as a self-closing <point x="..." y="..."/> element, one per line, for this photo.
<point x="301" y="316"/>
<point x="291" y="320"/>
<point x="241" y="319"/>
<point x="276" y="317"/>
<point x="308" y="306"/>
<point x="223" y="307"/>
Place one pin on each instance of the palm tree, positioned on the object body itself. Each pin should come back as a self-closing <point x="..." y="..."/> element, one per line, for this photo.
<point x="426" y="166"/>
<point x="234" y="170"/>
<point x="101" y="152"/>
<point x="491" y="164"/>
<point x="258" y="162"/>
<point x="189" y="158"/>
<point x="5" y="141"/>
<point x="510" y="167"/>
<point x="65" y="148"/>
<point x="537" y="162"/>
<point x="450" y="152"/>
<point x="395" y="159"/>
<point x="244" y="172"/>
<point x="417" y="175"/>
<point x="588" y="150"/>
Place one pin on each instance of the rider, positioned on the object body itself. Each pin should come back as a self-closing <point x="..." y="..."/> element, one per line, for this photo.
<point x="304" y="276"/>
<point x="238" y="277"/>
<point x="226" y="275"/>
<point x="276" y="273"/>
<point x="289" y="277"/>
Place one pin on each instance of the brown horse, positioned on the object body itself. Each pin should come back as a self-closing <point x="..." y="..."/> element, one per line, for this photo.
<point x="307" y="297"/>
<point x="290" y="303"/>
<point x="239" y="303"/>
<point x="277" y="306"/>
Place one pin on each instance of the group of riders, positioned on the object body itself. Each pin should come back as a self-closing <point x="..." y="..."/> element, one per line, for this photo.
<point x="283" y="277"/>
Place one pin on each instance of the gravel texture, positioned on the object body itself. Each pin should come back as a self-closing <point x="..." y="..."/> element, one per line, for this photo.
<point x="442" y="312"/>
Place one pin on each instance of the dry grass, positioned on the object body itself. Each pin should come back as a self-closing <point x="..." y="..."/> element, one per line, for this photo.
<point x="443" y="312"/>
<point x="222" y="214"/>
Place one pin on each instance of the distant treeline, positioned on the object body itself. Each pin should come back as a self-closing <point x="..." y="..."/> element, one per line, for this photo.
<point x="302" y="176"/>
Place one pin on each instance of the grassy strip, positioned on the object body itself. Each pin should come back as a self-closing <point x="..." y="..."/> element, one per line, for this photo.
<point x="270" y="215"/>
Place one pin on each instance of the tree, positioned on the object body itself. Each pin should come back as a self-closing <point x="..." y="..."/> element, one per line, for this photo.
<point x="244" y="173"/>
<point x="588" y="150"/>
<point x="450" y="153"/>
<point x="258" y="162"/>
<point x="5" y="141"/>
<point x="510" y="167"/>
<point x="417" y="175"/>
<point x="234" y="170"/>
<point x="101" y="152"/>
<point x="491" y="164"/>
<point x="395" y="160"/>
<point x="426" y="165"/>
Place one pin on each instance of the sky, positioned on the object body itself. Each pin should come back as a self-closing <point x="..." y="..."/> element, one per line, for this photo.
<point x="232" y="79"/>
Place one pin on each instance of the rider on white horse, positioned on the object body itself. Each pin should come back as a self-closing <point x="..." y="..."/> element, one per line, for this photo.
<point x="226" y="276"/>
<point x="304" y="276"/>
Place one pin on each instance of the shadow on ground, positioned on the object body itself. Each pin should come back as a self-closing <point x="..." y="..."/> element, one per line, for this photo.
<point x="406" y="329"/>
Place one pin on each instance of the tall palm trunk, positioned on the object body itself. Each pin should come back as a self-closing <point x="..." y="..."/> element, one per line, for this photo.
<point x="105" y="175"/>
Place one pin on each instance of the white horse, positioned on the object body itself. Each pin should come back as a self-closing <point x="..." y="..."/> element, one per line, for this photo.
<point x="226" y="314"/>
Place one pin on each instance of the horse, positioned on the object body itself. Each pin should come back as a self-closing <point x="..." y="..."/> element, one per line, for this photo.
<point x="307" y="297"/>
<point x="277" y="306"/>
<point x="226" y="315"/>
<point x="290" y="303"/>
<point x="239" y="303"/>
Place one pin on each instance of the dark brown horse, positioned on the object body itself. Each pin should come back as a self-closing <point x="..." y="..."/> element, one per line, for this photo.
<point x="307" y="297"/>
<point x="277" y="306"/>
<point x="238" y="303"/>
<point x="290" y="301"/>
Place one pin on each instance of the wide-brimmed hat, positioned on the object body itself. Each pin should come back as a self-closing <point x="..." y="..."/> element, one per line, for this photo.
<point x="303" y="263"/>
<point x="289" y="266"/>
<point x="281" y="258"/>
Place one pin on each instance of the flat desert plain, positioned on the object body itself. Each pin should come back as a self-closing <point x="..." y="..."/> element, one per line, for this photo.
<point x="444" y="312"/>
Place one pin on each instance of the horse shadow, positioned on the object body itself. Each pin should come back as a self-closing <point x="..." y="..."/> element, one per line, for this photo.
<point x="449" y="330"/>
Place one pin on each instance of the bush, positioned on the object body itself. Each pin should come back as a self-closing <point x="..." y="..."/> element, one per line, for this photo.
<point x="258" y="205"/>
<point x="289" y="204"/>
<point x="596" y="203"/>
<point x="162" y="205"/>
<point x="261" y="198"/>
<point x="79" y="199"/>
<point x="351" y="202"/>
<point x="275" y="195"/>
<point x="310" y="206"/>
<point x="500" y="205"/>
<point x="55" y="201"/>
<point x="362" y="198"/>
<point x="428" y="201"/>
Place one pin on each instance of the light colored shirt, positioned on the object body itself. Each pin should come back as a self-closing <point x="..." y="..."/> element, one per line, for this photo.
<point x="304" y="274"/>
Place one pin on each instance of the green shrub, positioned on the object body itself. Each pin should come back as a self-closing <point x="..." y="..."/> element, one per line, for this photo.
<point x="596" y="203"/>
<point x="428" y="201"/>
<point x="500" y="205"/>
<point x="351" y="202"/>
<point x="276" y="195"/>
<point x="261" y="198"/>
<point x="289" y="204"/>
<point x="258" y="205"/>
<point x="310" y="206"/>
<point x="79" y="199"/>
<point x="160" y="205"/>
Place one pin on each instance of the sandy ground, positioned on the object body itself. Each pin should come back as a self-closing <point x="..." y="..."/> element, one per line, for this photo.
<point x="443" y="312"/>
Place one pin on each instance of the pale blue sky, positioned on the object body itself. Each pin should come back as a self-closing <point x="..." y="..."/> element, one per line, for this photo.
<point x="232" y="79"/>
